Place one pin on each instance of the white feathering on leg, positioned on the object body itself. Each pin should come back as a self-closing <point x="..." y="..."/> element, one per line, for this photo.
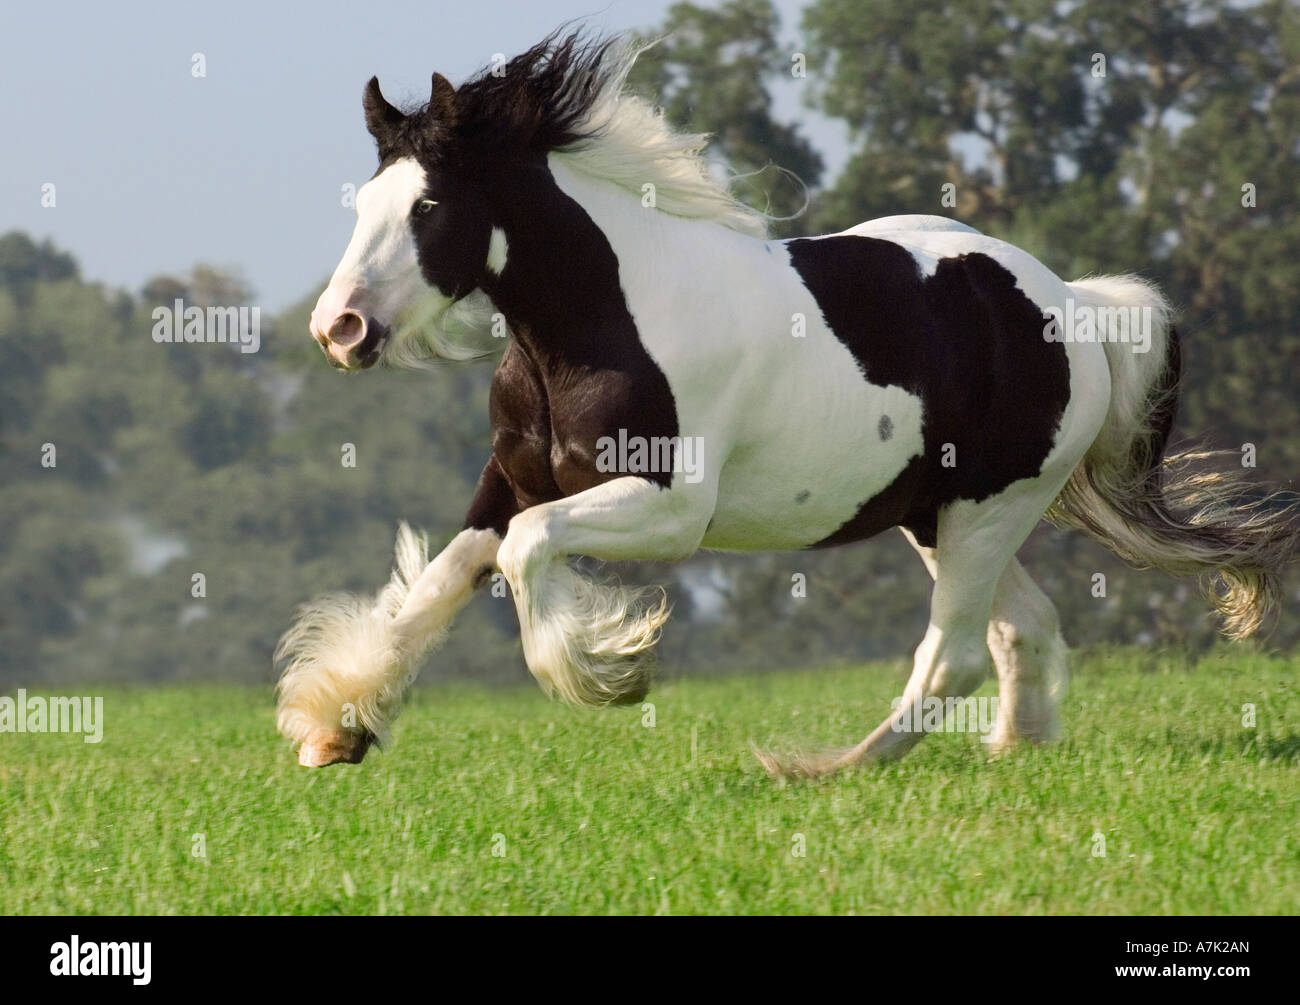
<point x="341" y="650"/>
<point x="590" y="644"/>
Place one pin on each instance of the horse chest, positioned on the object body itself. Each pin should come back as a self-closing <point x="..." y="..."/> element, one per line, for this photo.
<point x="552" y="427"/>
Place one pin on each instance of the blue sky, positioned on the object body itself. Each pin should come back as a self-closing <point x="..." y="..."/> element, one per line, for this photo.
<point x="155" y="170"/>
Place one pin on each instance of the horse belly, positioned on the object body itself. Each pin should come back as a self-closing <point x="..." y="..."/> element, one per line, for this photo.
<point x="830" y="457"/>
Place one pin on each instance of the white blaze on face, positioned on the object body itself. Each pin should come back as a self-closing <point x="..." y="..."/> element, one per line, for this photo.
<point x="498" y="248"/>
<point x="379" y="275"/>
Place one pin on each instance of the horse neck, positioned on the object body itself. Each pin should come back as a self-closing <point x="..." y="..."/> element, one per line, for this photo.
<point x="573" y="240"/>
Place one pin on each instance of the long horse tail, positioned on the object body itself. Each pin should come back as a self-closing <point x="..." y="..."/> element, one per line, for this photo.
<point x="1179" y="512"/>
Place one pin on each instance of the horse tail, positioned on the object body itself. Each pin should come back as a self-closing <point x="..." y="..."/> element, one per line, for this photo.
<point x="1170" y="510"/>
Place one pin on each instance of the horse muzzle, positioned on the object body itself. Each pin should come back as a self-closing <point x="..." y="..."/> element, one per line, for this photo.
<point x="351" y="341"/>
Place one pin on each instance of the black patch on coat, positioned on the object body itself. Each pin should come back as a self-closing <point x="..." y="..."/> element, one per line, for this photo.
<point x="575" y="370"/>
<point x="885" y="428"/>
<point x="968" y="343"/>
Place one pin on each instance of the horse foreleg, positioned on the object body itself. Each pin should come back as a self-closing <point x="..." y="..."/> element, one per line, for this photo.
<point x="585" y="642"/>
<point x="349" y="660"/>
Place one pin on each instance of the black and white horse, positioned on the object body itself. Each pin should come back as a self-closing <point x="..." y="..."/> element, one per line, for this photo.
<point x="675" y="380"/>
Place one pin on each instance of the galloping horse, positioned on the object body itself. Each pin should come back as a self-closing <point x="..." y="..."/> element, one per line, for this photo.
<point x="909" y="372"/>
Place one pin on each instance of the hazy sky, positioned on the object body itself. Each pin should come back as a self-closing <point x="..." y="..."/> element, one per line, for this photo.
<point x="155" y="169"/>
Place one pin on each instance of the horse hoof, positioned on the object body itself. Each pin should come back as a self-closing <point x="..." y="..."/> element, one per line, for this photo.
<point x="323" y="747"/>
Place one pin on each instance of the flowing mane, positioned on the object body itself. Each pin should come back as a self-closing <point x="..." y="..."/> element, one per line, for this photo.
<point x="565" y="96"/>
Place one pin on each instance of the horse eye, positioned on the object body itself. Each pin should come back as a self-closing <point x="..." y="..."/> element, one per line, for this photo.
<point x="424" y="205"/>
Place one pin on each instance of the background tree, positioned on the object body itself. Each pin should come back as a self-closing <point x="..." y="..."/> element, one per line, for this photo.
<point x="711" y="71"/>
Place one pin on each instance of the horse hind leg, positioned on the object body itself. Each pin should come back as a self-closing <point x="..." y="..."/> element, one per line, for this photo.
<point x="976" y="542"/>
<point x="951" y="662"/>
<point x="1029" y="654"/>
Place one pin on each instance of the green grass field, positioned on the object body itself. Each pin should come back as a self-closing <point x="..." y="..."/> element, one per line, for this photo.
<point x="497" y="801"/>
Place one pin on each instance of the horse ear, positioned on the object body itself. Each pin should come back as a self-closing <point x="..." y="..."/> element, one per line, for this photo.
<point x="380" y="115"/>
<point x="442" y="102"/>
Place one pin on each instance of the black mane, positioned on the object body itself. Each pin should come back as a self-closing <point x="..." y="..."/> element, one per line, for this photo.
<point x="543" y="101"/>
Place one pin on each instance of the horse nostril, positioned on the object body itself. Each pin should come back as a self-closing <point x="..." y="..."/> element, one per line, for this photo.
<point x="348" y="329"/>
